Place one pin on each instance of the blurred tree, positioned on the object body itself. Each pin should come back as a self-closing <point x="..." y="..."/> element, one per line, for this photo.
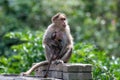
<point x="91" y="21"/>
<point x="5" y="6"/>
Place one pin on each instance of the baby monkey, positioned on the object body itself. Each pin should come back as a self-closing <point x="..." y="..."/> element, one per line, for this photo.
<point x="57" y="41"/>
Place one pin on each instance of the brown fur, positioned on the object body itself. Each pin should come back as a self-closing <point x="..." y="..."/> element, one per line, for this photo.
<point x="57" y="41"/>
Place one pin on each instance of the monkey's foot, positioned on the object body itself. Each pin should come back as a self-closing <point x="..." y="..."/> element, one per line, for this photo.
<point x="58" y="62"/>
<point x="45" y="76"/>
<point x="24" y="74"/>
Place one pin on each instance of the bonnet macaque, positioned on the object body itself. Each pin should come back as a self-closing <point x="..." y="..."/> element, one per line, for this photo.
<point x="57" y="41"/>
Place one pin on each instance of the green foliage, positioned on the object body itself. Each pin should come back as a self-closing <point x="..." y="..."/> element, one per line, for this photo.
<point x="92" y="22"/>
<point x="9" y="24"/>
<point x="104" y="67"/>
<point x="21" y="56"/>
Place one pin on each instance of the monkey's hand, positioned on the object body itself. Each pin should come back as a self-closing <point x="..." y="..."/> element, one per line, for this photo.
<point x="56" y="62"/>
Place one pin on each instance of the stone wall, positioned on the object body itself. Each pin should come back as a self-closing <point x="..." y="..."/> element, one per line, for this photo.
<point x="67" y="71"/>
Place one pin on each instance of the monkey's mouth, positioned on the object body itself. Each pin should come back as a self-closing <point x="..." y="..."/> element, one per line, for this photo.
<point x="64" y="25"/>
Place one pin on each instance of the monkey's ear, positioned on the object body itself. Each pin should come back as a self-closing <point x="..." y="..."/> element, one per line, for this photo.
<point x="55" y="17"/>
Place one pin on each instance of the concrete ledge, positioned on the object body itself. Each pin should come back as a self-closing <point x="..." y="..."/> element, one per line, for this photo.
<point x="68" y="71"/>
<point x="12" y="77"/>
<point x="77" y="67"/>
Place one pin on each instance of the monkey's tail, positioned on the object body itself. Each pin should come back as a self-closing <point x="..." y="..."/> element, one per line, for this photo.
<point x="46" y="74"/>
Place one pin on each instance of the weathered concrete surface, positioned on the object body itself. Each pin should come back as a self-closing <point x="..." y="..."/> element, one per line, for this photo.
<point x="10" y="77"/>
<point x="68" y="71"/>
<point x="77" y="67"/>
<point x="77" y="72"/>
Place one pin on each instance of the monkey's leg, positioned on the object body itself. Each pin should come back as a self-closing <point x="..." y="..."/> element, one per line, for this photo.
<point x="46" y="74"/>
<point x="67" y="55"/>
<point x="34" y="67"/>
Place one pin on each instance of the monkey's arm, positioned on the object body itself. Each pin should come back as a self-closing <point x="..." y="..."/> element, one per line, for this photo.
<point x="67" y="55"/>
<point x="34" y="67"/>
<point x="48" y="38"/>
<point x="66" y="51"/>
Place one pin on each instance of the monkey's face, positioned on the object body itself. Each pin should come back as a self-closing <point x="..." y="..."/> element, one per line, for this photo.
<point x="62" y="20"/>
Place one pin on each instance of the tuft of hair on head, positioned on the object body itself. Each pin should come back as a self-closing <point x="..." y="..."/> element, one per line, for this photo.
<point x="57" y="16"/>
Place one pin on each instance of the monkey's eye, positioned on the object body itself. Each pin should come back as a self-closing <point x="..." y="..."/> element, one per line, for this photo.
<point x="63" y="19"/>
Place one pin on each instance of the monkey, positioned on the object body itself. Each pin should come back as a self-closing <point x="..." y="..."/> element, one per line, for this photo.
<point x="61" y="28"/>
<point x="57" y="42"/>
